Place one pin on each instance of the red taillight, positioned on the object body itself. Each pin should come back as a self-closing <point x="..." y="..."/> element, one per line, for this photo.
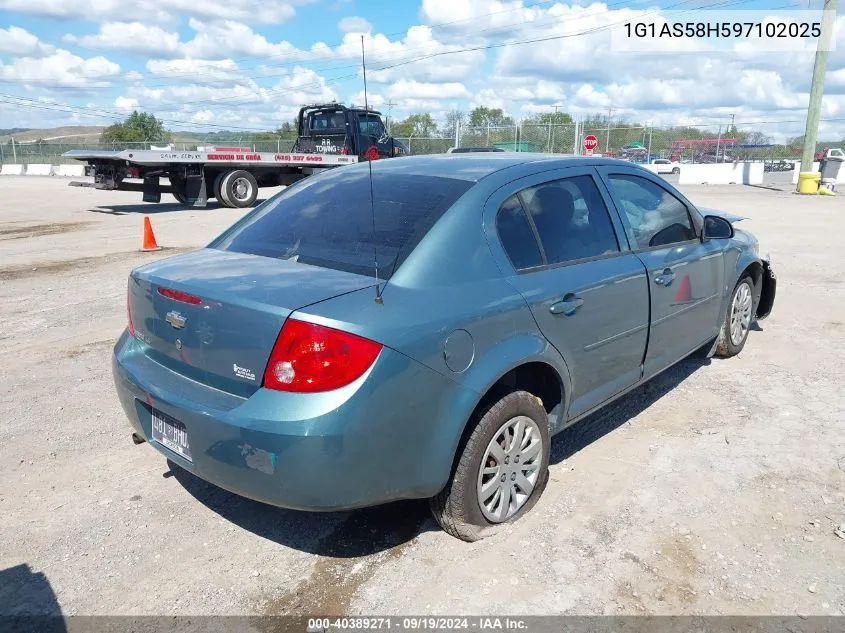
<point x="176" y="295"/>
<point x="308" y="358"/>
<point x="129" y="325"/>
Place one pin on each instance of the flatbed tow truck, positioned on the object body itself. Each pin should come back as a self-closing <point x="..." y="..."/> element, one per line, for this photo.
<point x="329" y="135"/>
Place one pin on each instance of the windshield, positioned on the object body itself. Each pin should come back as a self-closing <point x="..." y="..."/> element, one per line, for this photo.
<point x="328" y="220"/>
<point x="370" y="125"/>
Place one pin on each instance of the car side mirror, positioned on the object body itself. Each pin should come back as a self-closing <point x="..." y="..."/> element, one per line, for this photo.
<point x="716" y="228"/>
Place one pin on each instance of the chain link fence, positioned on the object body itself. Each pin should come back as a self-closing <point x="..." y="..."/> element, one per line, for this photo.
<point x="638" y="143"/>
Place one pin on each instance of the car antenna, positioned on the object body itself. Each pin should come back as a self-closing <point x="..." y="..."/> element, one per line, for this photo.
<point x="379" y="299"/>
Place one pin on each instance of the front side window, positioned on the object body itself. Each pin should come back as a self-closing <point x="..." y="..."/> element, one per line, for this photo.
<point x="655" y="216"/>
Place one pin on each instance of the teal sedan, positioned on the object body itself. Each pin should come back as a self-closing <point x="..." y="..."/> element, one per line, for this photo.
<point x="421" y="328"/>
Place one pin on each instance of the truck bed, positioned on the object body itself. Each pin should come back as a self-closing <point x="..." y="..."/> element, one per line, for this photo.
<point x="155" y="158"/>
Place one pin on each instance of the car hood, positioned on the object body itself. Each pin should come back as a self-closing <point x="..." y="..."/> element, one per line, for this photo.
<point x="730" y="217"/>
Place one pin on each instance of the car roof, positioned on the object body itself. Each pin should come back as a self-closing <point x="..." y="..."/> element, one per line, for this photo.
<point x="473" y="166"/>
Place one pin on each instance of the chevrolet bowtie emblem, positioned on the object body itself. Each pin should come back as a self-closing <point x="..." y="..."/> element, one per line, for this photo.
<point x="175" y="319"/>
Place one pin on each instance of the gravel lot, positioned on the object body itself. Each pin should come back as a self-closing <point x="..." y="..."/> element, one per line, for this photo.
<point x="715" y="489"/>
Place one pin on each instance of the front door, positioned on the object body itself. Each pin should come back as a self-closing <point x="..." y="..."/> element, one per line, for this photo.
<point x="587" y="292"/>
<point x="685" y="274"/>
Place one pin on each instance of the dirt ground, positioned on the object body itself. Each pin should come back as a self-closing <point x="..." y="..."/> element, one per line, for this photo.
<point x="715" y="489"/>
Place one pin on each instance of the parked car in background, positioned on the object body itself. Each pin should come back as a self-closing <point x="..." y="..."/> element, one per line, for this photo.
<point x="666" y="166"/>
<point x="778" y="165"/>
<point x="421" y="328"/>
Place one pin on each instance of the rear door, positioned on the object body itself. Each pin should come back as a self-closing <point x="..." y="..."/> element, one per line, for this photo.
<point x="685" y="275"/>
<point x="588" y="294"/>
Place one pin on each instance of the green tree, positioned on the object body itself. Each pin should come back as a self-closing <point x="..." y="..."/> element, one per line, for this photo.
<point x="454" y="119"/>
<point x="138" y="127"/>
<point x="421" y="125"/>
<point x="553" y="118"/>
<point x="483" y="116"/>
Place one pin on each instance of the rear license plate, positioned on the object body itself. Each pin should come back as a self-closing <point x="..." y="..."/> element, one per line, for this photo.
<point x="171" y="433"/>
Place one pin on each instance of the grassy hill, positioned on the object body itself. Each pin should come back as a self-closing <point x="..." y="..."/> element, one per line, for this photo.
<point x="67" y="134"/>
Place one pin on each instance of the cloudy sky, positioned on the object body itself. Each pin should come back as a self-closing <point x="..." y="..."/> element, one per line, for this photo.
<point x="248" y="64"/>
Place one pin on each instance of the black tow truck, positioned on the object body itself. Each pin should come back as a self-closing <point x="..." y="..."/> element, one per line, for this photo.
<point x="329" y="135"/>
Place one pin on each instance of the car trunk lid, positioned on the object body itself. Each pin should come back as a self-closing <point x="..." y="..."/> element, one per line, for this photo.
<point x="214" y="316"/>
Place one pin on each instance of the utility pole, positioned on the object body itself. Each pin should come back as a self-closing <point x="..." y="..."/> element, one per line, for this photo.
<point x="607" y="138"/>
<point x="650" y="129"/>
<point x="718" y="140"/>
<point x="551" y="151"/>
<point x="390" y="105"/>
<point x="817" y="86"/>
<point x="14" y="152"/>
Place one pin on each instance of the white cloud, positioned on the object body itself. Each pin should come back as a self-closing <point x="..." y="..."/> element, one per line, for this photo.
<point x="17" y="41"/>
<point x="354" y="24"/>
<point x="125" y="104"/>
<point x="415" y="90"/>
<point x="130" y="36"/>
<point x="383" y="53"/>
<point x="214" y="40"/>
<point x="199" y="71"/>
<point x="61" y="69"/>
<point x="257" y="11"/>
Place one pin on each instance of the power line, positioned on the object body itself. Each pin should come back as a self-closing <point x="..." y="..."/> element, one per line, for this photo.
<point x="234" y="100"/>
<point x="322" y="82"/>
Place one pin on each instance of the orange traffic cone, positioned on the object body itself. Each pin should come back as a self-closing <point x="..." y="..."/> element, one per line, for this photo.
<point x="684" y="293"/>
<point x="149" y="243"/>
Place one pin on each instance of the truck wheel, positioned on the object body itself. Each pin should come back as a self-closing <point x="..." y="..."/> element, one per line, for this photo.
<point x="177" y="185"/>
<point x="215" y="188"/>
<point x="501" y="469"/>
<point x="238" y="189"/>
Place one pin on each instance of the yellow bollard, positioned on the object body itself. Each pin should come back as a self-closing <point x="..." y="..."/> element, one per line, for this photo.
<point x="808" y="182"/>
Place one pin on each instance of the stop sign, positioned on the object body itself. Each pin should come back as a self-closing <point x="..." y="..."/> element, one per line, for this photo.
<point x="590" y="143"/>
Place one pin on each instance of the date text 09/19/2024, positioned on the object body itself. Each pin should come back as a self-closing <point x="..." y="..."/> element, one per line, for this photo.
<point x="423" y="623"/>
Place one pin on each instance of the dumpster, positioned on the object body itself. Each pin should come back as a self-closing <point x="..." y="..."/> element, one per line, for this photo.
<point x="829" y="167"/>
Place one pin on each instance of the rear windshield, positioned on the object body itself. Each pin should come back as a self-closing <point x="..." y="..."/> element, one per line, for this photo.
<point x="327" y="120"/>
<point x="327" y="220"/>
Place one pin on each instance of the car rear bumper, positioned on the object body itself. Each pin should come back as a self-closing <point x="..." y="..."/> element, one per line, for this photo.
<point x="391" y="435"/>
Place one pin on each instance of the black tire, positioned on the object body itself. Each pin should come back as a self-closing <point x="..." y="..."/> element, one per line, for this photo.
<point x="457" y="507"/>
<point x="177" y="186"/>
<point x="238" y="189"/>
<point x="726" y="346"/>
<point x="215" y="188"/>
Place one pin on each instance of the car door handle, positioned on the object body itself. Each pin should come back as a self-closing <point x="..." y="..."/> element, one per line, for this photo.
<point x="567" y="306"/>
<point x="665" y="278"/>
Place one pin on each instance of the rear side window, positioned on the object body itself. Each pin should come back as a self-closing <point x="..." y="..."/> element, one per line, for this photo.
<point x="327" y="220"/>
<point x="571" y="219"/>
<point x="655" y="216"/>
<point x="568" y="215"/>
<point x="517" y="236"/>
